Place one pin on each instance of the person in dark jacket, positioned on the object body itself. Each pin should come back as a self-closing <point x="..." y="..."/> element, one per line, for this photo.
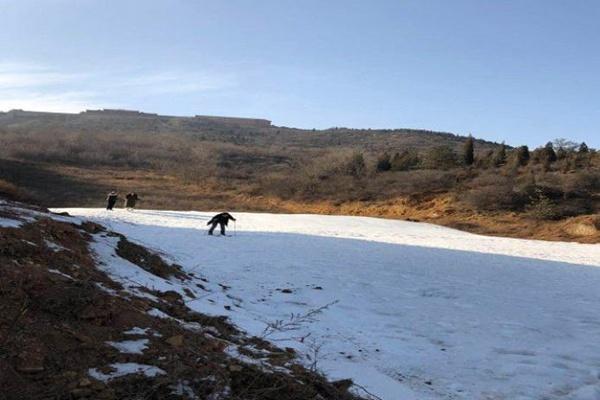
<point x="222" y="220"/>
<point x="111" y="199"/>
<point x="130" y="200"/>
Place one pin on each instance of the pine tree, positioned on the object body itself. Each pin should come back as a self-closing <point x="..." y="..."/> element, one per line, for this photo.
<point x="468" y="155"/>
<point x="500" y="156"/>
<point x="583" y="148"/>
<point x="522" y="155"/>
<point x="550" y="153"/>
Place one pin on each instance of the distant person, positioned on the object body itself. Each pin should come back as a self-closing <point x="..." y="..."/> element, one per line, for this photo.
<point x="222" y="220"/>
<point x="111" y="199"/>
<point x="131" y="200"/>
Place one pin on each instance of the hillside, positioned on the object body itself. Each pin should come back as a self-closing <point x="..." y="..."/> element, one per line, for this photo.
<point x="87" y="314"/>
<point x="187" y="163"/>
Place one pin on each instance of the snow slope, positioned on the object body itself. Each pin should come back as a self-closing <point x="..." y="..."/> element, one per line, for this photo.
<point x="414" y="311"/>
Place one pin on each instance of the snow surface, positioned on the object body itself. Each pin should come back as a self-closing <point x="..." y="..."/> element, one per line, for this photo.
<point x="122" y="369"/>
<point x="415" y="311"/>
<point x="130" y="346"/>
<point x="10" y="223"/>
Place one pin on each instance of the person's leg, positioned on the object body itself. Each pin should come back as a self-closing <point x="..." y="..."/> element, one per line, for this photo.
<point x="222" y="228"/>
<point x="212" y="228"/>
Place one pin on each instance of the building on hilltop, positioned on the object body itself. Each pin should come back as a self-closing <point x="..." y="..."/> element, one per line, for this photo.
<point x="233" y="121"/>
<point x="114" y="112"/>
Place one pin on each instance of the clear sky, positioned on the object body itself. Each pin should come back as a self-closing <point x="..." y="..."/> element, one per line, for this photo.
<point x="523" y="71"/>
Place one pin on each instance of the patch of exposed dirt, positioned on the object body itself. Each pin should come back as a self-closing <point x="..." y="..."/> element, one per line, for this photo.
<point x="148" y="261"/>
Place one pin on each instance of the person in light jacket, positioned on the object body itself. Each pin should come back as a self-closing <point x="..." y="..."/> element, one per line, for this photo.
<point x="111" y="200"/>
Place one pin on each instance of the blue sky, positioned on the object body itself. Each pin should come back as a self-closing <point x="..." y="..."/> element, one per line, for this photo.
<point x="523" y="71"/>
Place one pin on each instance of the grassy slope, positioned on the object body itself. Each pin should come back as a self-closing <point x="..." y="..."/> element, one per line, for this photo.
<point x="178" y="163"/>
<point x="86" y="187"/>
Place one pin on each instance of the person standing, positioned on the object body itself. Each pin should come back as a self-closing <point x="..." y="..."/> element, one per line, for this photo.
<point x="131" y="200"/>
<point x="222" y="220"/>
<point x="111" y="200"/>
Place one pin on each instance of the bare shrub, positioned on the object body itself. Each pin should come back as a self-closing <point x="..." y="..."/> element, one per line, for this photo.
<point x="440" y="157"/>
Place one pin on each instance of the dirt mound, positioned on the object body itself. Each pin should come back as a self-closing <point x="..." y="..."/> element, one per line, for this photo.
<point x="68" y="331"/>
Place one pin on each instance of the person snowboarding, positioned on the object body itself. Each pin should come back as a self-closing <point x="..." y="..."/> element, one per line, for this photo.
<point x="111" y="199"/>
<point x="222" y="220"/>
<point x="130" y="200"/>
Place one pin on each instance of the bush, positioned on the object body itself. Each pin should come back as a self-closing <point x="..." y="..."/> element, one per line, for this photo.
<point x="499" y="158"/>
<point x="493" y="192"/>
<point x="522" y="156"/>
<point x="440" y="157"/>
<point x="543" y="208"/>
<point x="356" y="166"/>
<point x="404" y="161"/>
<point x="383" y="163"/>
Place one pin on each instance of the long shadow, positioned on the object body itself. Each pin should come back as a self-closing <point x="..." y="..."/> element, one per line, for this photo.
<point x="49" y="188"/>
<point x="481" y="310"/>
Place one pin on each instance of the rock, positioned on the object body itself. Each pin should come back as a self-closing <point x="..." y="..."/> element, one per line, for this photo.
<point x="176" y="341"/>
<point x="70" y="374"/>
<point x="171" y="296"/>
<point x="85" y="382"/>
<point x="81" y="392"/>
<point x="106" y="395"/>
<point x="343" y="384"/>
<point x="31" y="361"/>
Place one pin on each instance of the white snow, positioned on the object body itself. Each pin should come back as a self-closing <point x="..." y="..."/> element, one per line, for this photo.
<point x="136" y="331"/>
<point x="122" y="369"/>
<point x="55" y="271"/>
<point x="54" y="247"/>
<point x="10" y="223"/>
<point x="130" y="346"/>
<point x="419" y="311"/>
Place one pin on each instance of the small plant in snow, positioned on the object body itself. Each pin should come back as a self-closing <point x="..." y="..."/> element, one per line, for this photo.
<point x="295" y="321"/>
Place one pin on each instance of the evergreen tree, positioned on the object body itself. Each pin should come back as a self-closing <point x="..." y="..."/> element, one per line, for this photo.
<point x="468" y="155"/>
<point x="549" y="152"/>
<point x="522" y="155"/>
<point x="583" y="148"/>
<point x="500" y="156"/>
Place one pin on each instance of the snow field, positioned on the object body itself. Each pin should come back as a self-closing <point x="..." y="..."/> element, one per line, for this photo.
<point x="408" y="310"/>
